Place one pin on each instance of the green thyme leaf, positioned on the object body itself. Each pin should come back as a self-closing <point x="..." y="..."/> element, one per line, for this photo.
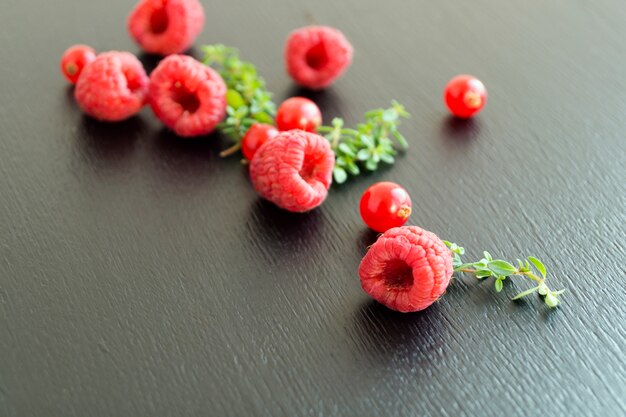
<point x="501" y="267"/>
<point x="525" y="293"/>
<point x="539" y="265"/>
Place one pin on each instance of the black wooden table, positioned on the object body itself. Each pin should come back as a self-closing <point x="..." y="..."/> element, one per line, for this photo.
<point x="142" y="276"/>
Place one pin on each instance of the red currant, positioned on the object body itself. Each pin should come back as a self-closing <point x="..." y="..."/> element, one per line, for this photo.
<point x="74" y="59"/>
<point x="385" y="205"/>
<point x="298" y="113"/>
<point x="256" y="136"/>
<point x="465" y="96"/>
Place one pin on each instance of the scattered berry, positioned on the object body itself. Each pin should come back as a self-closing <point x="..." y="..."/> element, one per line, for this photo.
<point x="385" y="205"/>
<point x="74" y="59"/>
<point x="166" y="27"/>
<point x="187" y="96"/>
<point x="293" y="170"/>
<point x="407" y="269"/>
<point x="465" y="96"/>
<point x="298" y="113"/>
<point x="256" y="136"/>
<point x="113" y="87"/>
<point x="316" y="56"/>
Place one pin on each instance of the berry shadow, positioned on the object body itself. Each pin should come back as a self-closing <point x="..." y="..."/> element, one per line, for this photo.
<point x="456" y="131"/>
<point x="284" y="231"/>
<point x="186" y="159"/>
<point x="150" y="61"/>
<point x="388" y="335"/>
<point x="367" y="237"/>
<point x="109" y="142"/>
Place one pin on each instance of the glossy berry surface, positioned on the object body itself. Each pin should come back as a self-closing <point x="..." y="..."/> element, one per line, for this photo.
<point x="406" y="269"/>
<point x="256" y="136"/>
<point x="74" y="59"/>
<point x="465" y="96"/>
<point x="385" y="205"/>
<point x="298" y="113"/>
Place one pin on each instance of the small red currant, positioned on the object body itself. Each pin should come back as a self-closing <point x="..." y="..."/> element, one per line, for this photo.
<point x="465" y="96"/>
<point x="256" y="136"/>
<point x="385" y="205"/>
<point x="298" y="113"/>
<point x="74" y="59"/>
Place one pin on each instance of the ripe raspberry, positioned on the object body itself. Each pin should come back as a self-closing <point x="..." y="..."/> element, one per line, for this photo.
<point x="187" y="96"/>
<point x="293" y="170"/>
<point x="316" y="56"/>
<point x="74" y="59"/>
<point x="407" y="269"/>
<point x="166" y="26"/>
<point x="113" y="87"/>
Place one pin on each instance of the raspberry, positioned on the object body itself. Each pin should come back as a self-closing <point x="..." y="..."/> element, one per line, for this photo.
<point x="187" y="96"/>
<point x="166" y="26"/>
<point x="113" y="87"/>
<point x="407" y="269"/>
<point x="293" y="170"/>
<point x="316" y="56"/>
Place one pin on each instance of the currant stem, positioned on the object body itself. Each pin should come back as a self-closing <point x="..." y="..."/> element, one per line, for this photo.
<point x="229" y="151"/>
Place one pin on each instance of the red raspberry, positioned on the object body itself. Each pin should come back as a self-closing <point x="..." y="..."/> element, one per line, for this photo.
<point x="166" y="26"/>
<point x="187" y="96"/>
<point x="407" y="269"/>
<point x="74" y="59"/>
<point x="316" y="56"/>
<point x="113" y="87"/>
<point x="293" y="170"/>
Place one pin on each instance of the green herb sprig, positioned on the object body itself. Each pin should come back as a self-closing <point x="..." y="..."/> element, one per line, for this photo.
<point x="369" y="144"/>
<point x="531" y="268"/>
<point x="248" y="100"/>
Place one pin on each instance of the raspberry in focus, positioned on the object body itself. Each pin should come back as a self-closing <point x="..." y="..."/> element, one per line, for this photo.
<point x="293" y="170"/>
<point x="74" y="59"/>
<point x="113" y="87"/>
<point x="407" y="269"/>
<point x="316" y="56"/>
<point x="187" y="96"/>
<point x="166" y="27"/>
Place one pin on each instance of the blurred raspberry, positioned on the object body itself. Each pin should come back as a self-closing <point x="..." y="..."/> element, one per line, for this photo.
<point x="316" y="56"/>
<point x="113" y="87"/>
<point x="293" y="170"/>
<point x="166" y="27"/>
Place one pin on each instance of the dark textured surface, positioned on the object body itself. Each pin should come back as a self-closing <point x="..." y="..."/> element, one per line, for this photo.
<point x="141" y="276"/>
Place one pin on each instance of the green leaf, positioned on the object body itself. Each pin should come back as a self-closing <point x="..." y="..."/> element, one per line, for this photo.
<point x="367" y="141"/>
<point x="343" y="147"/>
<point x="353" y="168"/>
<point x="363" y="155"/>
<point x="464" y="266"/>
<point x="501" y="267"/>
<point x="483" y="273"/>
<point x="539" y="265"/>
<point x="551" y="300"/>
<point x="264" y="117"/>
<point x="371" y="165"/>
<point x="386" y="158"/>
<point x="340" y="175"/>
<point x="498" y="285"/>
<point x="487" y="256"/>
<point x="543" y="289"/>
<point x="559" y="292"/>
<point x="525" y="293"/>
<point x="234" y="99"/>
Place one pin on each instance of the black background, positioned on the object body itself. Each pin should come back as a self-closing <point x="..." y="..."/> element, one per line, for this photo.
<point x="142" y="276"/>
